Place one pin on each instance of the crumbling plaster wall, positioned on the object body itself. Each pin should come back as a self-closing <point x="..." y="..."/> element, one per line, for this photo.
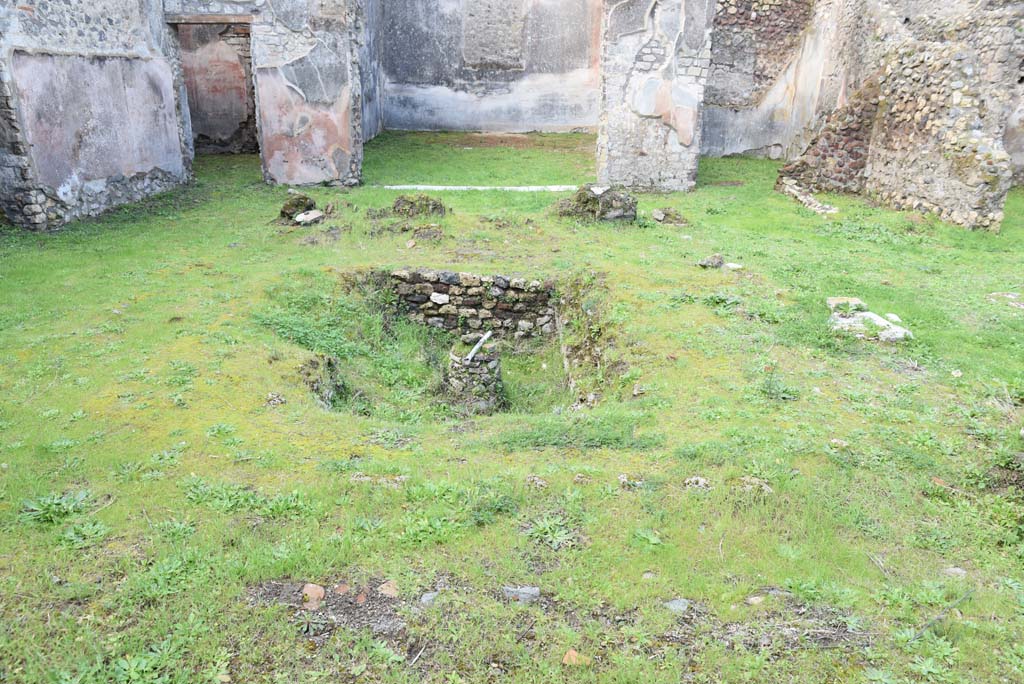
<point x="68" y="151"/>
<point x="777" y="68"/>
<point x="307" y="83"/>
<point x="371" y="67"/>
<point x="497" y="65"/>
<point x="656" y="60"/>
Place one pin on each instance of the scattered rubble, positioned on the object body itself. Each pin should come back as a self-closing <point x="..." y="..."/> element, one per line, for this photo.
<point x="712" y="262"/>
<point x="697" y="482"/>
<point x="599" y="203"/>
<point x="850" y="315"/>
<point x="411" y="206"/>
<point x="322" y="375"/>
<point x="1013" y="299"/>
<point x="792" y="188"/>
<point x="670" y="216"/>
<point x="320" y="610"/>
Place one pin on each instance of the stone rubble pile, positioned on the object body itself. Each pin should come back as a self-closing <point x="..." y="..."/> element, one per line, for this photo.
<point x="599" y="203"/>
<point x="851" y="315"/>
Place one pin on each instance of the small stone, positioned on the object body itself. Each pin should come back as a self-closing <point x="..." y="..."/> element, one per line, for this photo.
<point x="312" y="595"/>
<point x="733" y="267"/>
<point x="697" y="483"/>
<point x="297" y="204"/>
<point x="850" y="304"/>
<point x="536" y="482"/>
<point x="389" y="589"/>
<point x="679" y="606"/>
<point x="658" y="215"/>
<point x="440" y="298"/>
<point x="954" y="571"/>
<point x="523" y="595"/>
<point x="309" y="218"/>
<point x="749" y="483"/>
<point x="429" y="598"/>
<point x="713" y="261"/>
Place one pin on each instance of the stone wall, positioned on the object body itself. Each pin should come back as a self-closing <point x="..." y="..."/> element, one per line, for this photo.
<point x="476" y="383"/>
<point x="68" y="150"/>
<point x="836" y="159"/>
<point x="656" y="60"/>
<point x="754" y="41"/>
<point x="1013" y="140"/>
<point x="472" y="304"/>
<point x="371" y="68"/>
<point x="946" y="99"/>
<point x="491" y="65"/>
<point x="797" y="84"/>
<point x="948" y="78"/>
<point x="217" y="64"/>
<point x="305" y="55"/>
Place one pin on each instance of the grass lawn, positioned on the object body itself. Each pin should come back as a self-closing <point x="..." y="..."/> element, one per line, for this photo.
<point x="831" y="509"/>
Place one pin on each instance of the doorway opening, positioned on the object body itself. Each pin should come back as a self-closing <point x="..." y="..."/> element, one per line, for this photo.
<point x="217" y="63"/>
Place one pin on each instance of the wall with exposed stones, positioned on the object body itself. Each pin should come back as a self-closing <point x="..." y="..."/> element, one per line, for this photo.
<point x="67" y="150"/>
<point x="793" y="82"/>
<point x="1013" y="139"/>
<point x="836" y="159"/>
<point x="754" y="41"/>
<point x="472" y="304"/>
<point x="940" y="137"/>
<point x="656" y="60"/>
<point x="475" y="382"/>
<point x="491" y="65"/>
<point x="946" y="100"/>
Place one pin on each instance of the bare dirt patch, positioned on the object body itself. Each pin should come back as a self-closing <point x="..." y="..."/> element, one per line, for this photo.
<point x="319" y="610"/>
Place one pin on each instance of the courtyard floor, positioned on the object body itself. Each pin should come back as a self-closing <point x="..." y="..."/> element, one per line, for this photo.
<point x="742" y="495"/>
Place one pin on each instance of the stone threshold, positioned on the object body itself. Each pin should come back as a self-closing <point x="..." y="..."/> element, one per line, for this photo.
<point x="484" y="188"/>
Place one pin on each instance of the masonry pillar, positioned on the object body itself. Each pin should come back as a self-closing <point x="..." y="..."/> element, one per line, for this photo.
<point x="656" y="58"/>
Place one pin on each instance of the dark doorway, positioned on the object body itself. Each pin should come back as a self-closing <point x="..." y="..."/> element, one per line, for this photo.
<point x="217" y="62"/>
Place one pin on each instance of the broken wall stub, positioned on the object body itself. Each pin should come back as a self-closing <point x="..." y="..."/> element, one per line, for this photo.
<point x="473" y="304"/>
<point x="491" y="65"/>
<point x="656" y="62"/>
<point x="67" y="150"/>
